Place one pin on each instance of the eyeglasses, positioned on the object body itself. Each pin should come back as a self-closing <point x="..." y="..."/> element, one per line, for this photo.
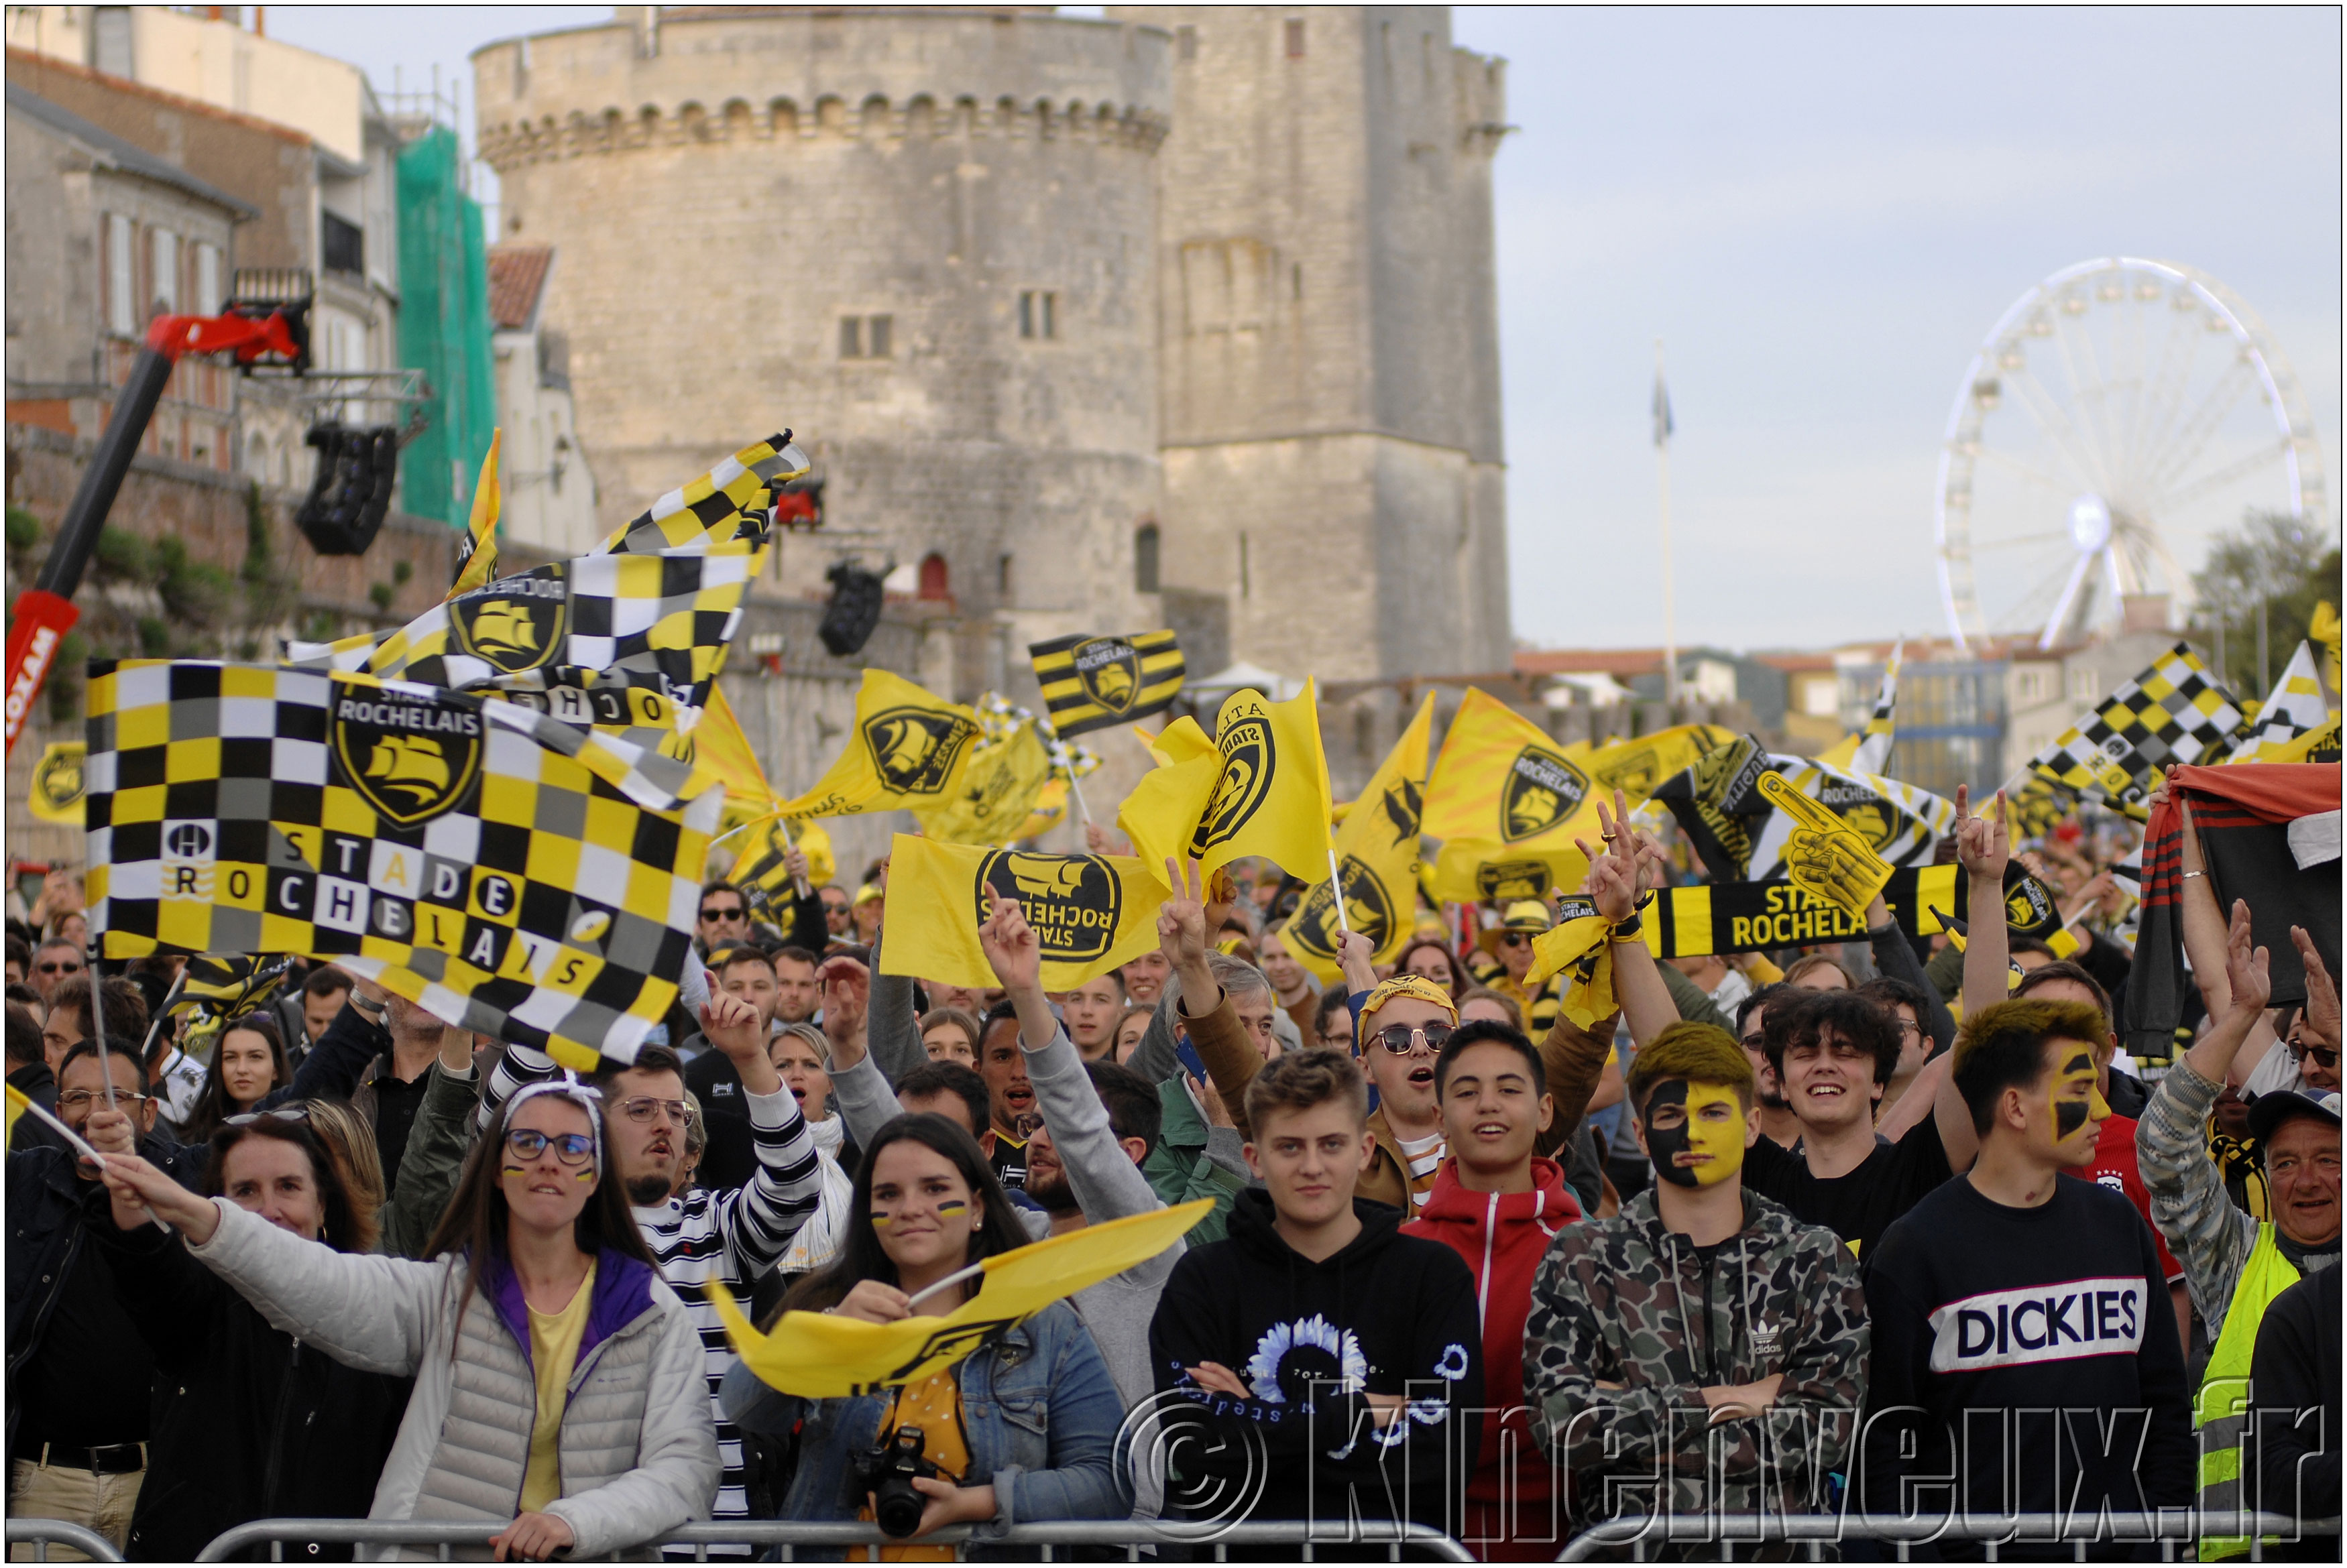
<point x="58" y="967"/>
<point x="1513" y="939"/>
<point x="1402" y="1038"/>
<point x="2325" y="1059"/>
<point x="76" y="1099"/>
<point x="570" y="1148"/>
<point x="642" y="1108"/>
<point x="733" y="914"/>
<point x="283" y="1113"/>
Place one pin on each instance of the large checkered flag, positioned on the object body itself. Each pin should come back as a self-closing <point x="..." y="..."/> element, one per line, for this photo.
<point x="512" y="874"/>
<point x="2172" y="714"/>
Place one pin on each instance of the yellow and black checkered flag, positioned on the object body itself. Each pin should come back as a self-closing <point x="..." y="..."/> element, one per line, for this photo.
<point x="232" y="983"/>
<point x="729" y="501"/>
<point x="2172" y="714"/>
<point x="613" y="640"/>
<point x="1096" y="682"/>
<point x="509" y="873"/>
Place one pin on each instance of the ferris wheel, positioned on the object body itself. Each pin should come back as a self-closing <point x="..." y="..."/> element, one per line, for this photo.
<point x="2118" y="415"/>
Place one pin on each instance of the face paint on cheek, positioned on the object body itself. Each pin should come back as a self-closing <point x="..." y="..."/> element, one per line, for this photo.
<point x="514" y="1170"/>
<point x="1721" y="1137"/>
<point x="952" y="1209"/>
<point x="1665" y="1145"/>
<point x="882" y="1219"/>
<point x="2075" y="1097"/>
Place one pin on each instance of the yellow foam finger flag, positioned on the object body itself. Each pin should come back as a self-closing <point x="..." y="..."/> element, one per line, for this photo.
<point x="1823" y="855"/>
<point x="825" y="1356"/>
<point x="58" y="783"/>
<point x="1377" y="852"/>
<point x="1090" y="912"/>
<point x="477" y="557"/>
<point x="907" y="748"/>
<point x="1576" y="947"/>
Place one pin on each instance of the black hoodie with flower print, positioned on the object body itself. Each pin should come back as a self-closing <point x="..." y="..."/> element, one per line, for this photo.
<point x="1388" y="1314"/>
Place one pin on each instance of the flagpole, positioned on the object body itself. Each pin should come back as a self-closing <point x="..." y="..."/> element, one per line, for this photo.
<point x="1337" y="889"/>
<point x="97" y="1020"/>
<point x="1663" y="471"/>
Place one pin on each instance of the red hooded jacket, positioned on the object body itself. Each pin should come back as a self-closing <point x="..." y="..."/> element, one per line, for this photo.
<point x="1502" y="1236"/>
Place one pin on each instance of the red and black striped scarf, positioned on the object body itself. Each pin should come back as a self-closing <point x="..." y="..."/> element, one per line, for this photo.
<point x="2243" y="815"/>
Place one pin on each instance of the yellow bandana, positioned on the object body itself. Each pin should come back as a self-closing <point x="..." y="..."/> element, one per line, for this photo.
<point x="1415" y="986"/>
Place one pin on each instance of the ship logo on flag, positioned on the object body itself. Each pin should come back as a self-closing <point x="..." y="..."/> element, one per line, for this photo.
<point x="1503" y="881"/>
<point x="914" y="748"/>
<point x="1542" y="792"/>
<point x="410" y="758"/>
<point x="1109" y="669"/>
<point x="1249" y="760"/>
<point x="1072" y="903"/>
<point x="511" y="627"/>
<point x="1366" y="910"/>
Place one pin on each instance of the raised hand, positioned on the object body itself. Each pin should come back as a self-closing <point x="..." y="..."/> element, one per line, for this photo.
<point x="1613" y="872"/>
<point x="1182" y="918"/>
<point x="2246" y="967"/>
<point x="1011" y="948"/>
<point x="2322" y="995"/>
<point x="1984" y="843"/>
<point x="1357" y="959"/>
<point x="847" y="999"/>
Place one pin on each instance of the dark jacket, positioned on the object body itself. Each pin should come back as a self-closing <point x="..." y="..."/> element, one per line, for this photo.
<point x="49" y="1209"/>
<point x="36" y="1083"/>
<point x="249" y="1423"/>
<point x="1387" y="1314"/>
<point x="2296" y="1378"/>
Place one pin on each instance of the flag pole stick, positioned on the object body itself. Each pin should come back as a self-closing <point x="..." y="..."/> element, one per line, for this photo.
<point x="1076" y="787"/>
<point x="1337" y="889"/>
<point x="97" y="1024"/>
<point x="1663" y="471"/>
<point x="956" y="1278"/>
<point x="169" y="998"/>
<point x="798" y="881"/>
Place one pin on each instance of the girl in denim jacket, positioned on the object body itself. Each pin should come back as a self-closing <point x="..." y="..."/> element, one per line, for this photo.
<point x="1023" y="1429"/>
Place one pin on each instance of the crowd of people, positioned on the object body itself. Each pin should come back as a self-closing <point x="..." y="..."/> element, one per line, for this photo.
<point x="1893" y="1226"/>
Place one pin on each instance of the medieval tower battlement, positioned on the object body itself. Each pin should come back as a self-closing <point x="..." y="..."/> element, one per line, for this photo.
<point x="1082" y="315"/>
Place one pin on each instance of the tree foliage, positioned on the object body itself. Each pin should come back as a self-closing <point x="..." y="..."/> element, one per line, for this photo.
<point x="2278" y="562"/>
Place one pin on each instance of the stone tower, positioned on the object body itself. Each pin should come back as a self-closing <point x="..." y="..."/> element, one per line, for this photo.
<point x="1328" y="338"/>
<point x="924" y="238"/>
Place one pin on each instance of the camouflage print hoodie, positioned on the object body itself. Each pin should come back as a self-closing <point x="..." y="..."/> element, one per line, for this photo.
<point x="1630" y="1322"/>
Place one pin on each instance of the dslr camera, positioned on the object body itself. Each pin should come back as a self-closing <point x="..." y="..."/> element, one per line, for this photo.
<point x="886" y="1470"/>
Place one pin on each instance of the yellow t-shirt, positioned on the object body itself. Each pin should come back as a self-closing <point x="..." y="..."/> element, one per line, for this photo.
<point x="553" y="1352"/>
<point x="934" y="1405"/>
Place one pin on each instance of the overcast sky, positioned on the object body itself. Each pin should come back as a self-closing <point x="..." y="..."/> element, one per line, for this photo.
<point x="1822" y="211"/>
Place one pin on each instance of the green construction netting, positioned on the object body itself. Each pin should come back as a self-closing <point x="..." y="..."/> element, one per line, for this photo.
<point x="444" y="327"/>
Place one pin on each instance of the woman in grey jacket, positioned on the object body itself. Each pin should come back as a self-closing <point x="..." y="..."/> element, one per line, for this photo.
<point x="559" y="1391"/>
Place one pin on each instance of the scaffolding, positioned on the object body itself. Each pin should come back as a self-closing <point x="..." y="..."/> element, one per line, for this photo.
<point x="444" y="327"/>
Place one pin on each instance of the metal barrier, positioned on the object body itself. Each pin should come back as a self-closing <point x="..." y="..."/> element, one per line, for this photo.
<point x="1131" y="1534"/>
<point x="2170" y="1528"/>
<point x="40" y="1532"/>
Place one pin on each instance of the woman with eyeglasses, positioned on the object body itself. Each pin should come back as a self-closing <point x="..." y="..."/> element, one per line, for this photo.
<point x="249" y="1422"/>
<point x="559" y="1394"/>
<point x="1023" y="1430"/>
<point x="248" y="1061"/>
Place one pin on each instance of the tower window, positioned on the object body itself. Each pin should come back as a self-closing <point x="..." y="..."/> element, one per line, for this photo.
<point x="1002" y="577"/>
<point x="1039" y="314"/>
<point x="1295" y="38"/>
<point x="1185" y="40"/>
<point x="866" y="337"/>
<point x="1145" y="558"/>
<point x="934" y="583"/>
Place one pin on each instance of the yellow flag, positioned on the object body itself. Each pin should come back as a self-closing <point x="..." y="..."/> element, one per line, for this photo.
<point x="999" y="790"/>
<point x="824" y="1356"/>
<point x="1051" y="805"/>
<point x="20" y="1102"/>
<point x="1090" y="912"/>
<point x="1576" y="946"/>
<point x="1271" y="795"/>
<point x="763" y="874"/>
<point x="907" y="748"/>
<point x="1376" y="851"/>
<point x="2323" y="630"/>
<point x="1506" y="804"/>
<point x="716" y="744"/>
<point x="56" y="791"/>
<point x="477" y="557"/>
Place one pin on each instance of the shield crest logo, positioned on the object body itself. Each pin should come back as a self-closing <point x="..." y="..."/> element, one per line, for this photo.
<point x="914" y="749"/>
<point x="2027" y="905"/>
<point x="1072" y="903"/>
<point x="1110" y="672"/>
<point x="510" y="629"/>
<point x="1505" y="879"/>
<point x="57" y="781"/>
<point x="1542" y="791"/>
<point x="409" y="759"/>
<point x="1249" y="760"/>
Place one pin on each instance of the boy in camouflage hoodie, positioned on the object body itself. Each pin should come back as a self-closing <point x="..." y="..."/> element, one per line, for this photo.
<point x="1703" y="1334"/>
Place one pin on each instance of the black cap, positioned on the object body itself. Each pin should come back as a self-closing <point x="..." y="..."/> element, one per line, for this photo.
<point x="2268" y="1111"/>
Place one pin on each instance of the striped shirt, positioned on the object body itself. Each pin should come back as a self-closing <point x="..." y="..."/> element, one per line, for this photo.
<point x="1423" y="1156"/>
<point x="735" y="1237"/>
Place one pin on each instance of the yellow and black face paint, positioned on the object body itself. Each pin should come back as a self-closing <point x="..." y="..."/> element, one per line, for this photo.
<point x="1721" y="1137"/>
<point x="2075" y="1099"/>
<point x="882" y="1219"/>
<point x="952" y="1209"/>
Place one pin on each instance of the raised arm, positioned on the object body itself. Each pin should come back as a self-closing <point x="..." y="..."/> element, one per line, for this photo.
<point x="1630" y="866"/>
<point x="1984" y="845"/>
<point x="436" y="1144"/>
<point x="1230" y="1056"/>
<point x="890" y="1029"/>
<point x="758" y="1220"/>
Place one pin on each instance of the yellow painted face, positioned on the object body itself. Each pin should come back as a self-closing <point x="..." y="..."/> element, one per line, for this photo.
<point x="2073" y="1097"/>
<point x="1702" y="1121"/>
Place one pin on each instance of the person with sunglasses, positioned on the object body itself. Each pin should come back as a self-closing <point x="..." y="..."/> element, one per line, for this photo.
<point x="247" y="1422"/>
<point x="1403" y="1028"/>
<point x="79" y="1377"/>
<point x="54" y="961"/>
<point x="561" y="1389"/>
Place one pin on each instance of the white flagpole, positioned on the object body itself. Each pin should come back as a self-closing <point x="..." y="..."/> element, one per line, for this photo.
<point x="1663" y="471"/>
